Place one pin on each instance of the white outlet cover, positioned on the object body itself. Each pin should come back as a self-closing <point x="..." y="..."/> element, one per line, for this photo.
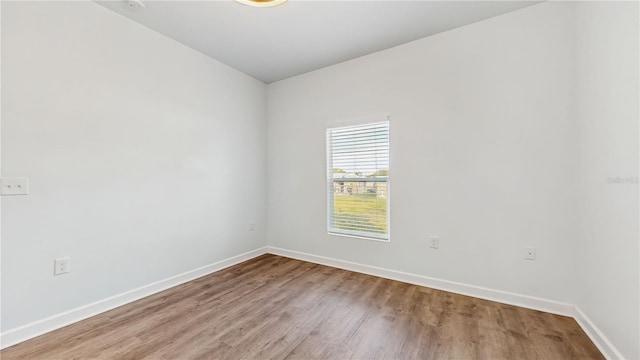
<point x="14" y="186"/>
<point x="434" y="242"/>
<point x="61" y="266"/>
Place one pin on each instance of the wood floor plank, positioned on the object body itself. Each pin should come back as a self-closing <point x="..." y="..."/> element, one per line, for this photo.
<point x="273" y="307"/>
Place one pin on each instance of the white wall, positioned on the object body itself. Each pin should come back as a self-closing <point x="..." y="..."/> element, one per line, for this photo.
<point x="607" y="93"/>
<point x="0" y="168"/>
<point x="145" y="157"/>
<point x="481" y="153"/>
<point x="504" y="134"/>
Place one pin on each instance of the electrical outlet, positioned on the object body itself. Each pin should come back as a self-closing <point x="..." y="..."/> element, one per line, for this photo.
<point x="434" y="242"/>
<point x="14" y="186"/>
<point x="61" y="266"/>
<point x="252" y="226"/>
<point x="530" y="253"/>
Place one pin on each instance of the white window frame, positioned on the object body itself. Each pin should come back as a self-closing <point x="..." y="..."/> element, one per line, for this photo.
<point x="330" y="180"/>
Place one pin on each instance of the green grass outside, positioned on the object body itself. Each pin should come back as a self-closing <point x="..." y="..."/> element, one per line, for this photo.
<point x="365" y="209"/>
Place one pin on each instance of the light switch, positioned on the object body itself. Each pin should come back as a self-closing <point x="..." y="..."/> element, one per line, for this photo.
<point x="14" y="186"/>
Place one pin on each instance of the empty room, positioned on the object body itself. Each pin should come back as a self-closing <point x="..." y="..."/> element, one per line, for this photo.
<point x="309" y="179"/>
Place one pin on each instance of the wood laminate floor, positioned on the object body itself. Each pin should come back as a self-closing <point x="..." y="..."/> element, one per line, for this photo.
<point x="272" y="307"/>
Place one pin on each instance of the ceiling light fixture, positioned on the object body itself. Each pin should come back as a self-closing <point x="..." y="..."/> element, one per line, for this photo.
<point x="136" y="4"/>
<point x="262" y="3"/>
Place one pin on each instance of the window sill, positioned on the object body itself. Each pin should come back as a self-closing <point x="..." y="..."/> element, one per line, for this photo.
<point x="359" y="237"/>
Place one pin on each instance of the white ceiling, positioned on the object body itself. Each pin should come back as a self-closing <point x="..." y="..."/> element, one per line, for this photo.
<point x="272" y="44"/>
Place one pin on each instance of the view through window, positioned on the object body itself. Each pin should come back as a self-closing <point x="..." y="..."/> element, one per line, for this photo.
<point x="358" y="180"/>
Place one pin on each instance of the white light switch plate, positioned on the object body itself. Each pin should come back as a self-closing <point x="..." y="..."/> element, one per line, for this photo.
<point x="14" y="186"/>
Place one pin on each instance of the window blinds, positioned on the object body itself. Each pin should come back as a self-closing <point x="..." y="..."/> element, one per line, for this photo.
<point x="358" y="180"/>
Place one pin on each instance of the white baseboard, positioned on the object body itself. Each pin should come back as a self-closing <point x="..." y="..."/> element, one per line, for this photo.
<point x="603" y="344"/>
<point x="525" y="301"/>
<point x="25" y="332"/>
<point x="29" y="331"/>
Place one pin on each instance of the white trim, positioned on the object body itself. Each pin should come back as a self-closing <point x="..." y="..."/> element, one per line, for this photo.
<point x="608" y="350"/>
<point x="37" y="328"/>
<point x="363" y="237"/>
<point x="505" y="297"/>
<point x="360" y="120"/>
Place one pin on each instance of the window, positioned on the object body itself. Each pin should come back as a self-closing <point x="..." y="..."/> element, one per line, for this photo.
<point x="358" y="180"/>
